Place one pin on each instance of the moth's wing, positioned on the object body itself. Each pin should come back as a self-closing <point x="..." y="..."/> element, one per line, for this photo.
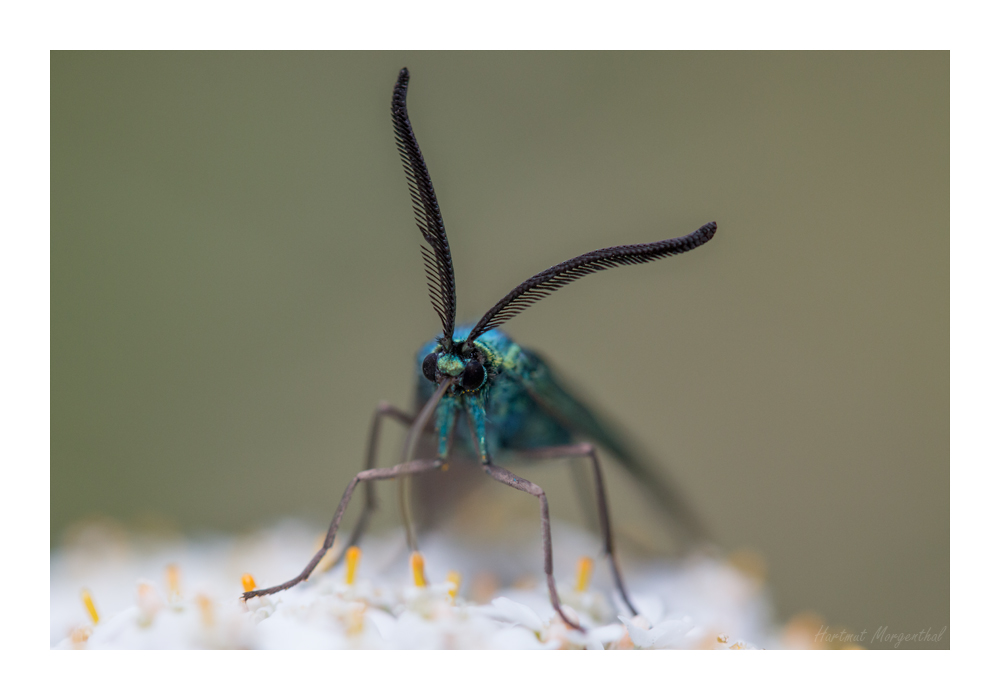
<point x="566" y="407"/>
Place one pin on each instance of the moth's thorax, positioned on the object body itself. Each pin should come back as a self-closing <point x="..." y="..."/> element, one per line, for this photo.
<point x="482" y="371"/>
<point x="504" y="413"/>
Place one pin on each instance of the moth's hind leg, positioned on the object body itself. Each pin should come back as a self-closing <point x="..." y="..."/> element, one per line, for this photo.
<point x="405" y="469"/>
<point x="585" y="449"/>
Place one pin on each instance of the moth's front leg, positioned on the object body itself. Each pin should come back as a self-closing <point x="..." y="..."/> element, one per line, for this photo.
<point x="506" y="477"/>
<point x="405" y="469"/>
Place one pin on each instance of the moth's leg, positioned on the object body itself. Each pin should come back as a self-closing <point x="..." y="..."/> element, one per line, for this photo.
<point x="584" y="449"/>
<point x="384" y="410"/>
<point x="420" y="424"/>
<point x="405" y="469"/>
<point x="585" y="496"/>
<point x="506" y="477"/>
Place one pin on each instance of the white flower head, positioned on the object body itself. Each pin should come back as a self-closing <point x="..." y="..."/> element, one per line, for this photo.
<point x="188" y="596"/>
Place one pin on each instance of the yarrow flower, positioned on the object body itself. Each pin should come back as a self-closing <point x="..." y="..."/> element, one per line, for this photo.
<point x="111" y="591"/>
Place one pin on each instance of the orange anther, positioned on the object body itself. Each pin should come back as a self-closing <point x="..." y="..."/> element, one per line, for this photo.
<point x="455" y="579"/>
<point x="174" y="580"/>
<point x="205" y="606"/>
<point x="417" y="564"/>
<point x="88" y="603"/>
<point x="584" y="568"/>
<point x="248" y="583"/>
<point x="353" y="557"/>
<point x="326" y="563"/>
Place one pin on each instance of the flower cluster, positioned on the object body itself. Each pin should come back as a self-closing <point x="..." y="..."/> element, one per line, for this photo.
<point x="110" y="591"/>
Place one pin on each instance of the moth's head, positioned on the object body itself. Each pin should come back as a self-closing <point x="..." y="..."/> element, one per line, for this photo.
<point x="471" y="364"/>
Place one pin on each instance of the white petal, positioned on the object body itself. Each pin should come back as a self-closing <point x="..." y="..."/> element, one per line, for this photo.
<point x="643" y="639"/>
<point x="671" y="633"/>
<point x="517" y="613"/>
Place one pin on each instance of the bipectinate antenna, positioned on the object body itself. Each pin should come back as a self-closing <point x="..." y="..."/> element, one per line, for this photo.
<point x="436" y="253"/>
<point x="547" y="281"/>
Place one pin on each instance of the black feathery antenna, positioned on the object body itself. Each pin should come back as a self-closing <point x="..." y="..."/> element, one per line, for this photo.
<point x="436" y="254"/>
<point x="546" y="282"/>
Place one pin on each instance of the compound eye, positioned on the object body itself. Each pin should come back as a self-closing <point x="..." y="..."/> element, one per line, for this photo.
<point x="430" y="366"/>
<point x="474" y="375"/>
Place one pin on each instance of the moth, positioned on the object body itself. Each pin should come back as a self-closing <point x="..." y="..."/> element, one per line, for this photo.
<point x="483" y="393"/>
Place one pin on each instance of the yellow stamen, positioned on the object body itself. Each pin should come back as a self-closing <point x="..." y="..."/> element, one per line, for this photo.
<point x="88" y="602"/>
<point x="326" y="563"/>
<point x="174" y="580"/>
<point x="356" y="618"/>
<point x="417" y="564"/>
<point x="205" y="605"/>
<point x="248" y="583"/>
<point x="584" y="567"/>
<point x="455" y="579"/>
<point x="353" y="557"/>
<point x="148" y="601"/>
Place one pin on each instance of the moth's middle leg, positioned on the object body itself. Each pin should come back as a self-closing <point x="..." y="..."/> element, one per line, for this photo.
<point x="384" y="410"/>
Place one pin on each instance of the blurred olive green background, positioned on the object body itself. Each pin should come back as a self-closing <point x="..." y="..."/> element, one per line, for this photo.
<point x="236" y="283"/>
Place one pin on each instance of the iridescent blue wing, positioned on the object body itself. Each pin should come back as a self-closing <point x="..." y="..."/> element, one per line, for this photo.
<point x="569" y="410"/>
